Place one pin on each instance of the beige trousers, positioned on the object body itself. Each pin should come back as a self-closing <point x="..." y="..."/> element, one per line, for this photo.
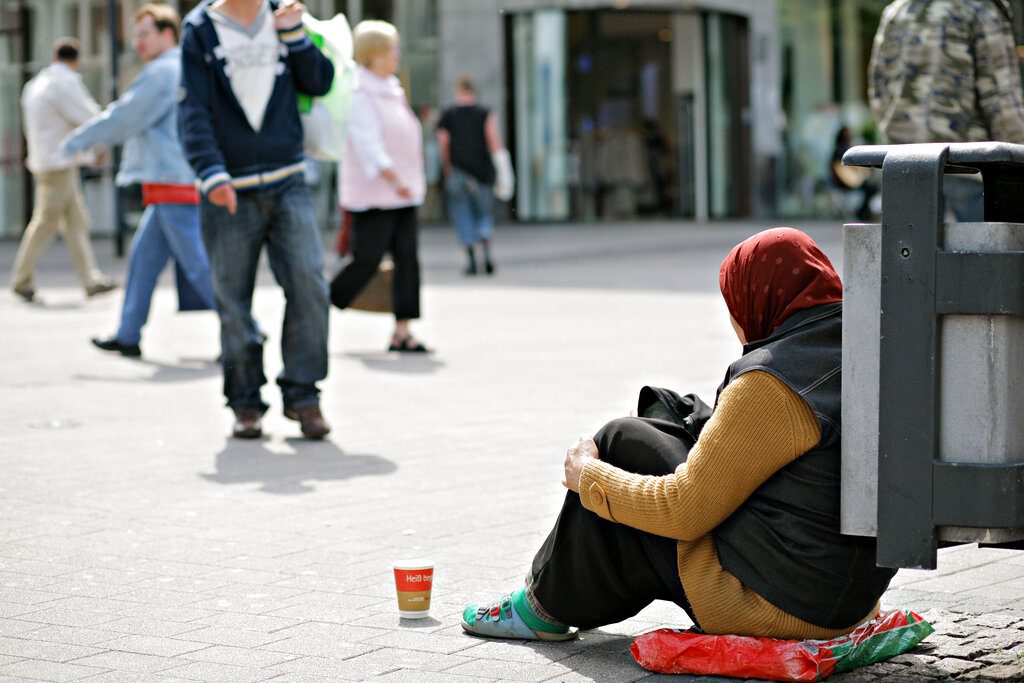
<point x="59" y="205"/>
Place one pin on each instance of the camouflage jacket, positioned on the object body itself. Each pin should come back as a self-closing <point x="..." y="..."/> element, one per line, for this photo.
<point x="946" y="71"/>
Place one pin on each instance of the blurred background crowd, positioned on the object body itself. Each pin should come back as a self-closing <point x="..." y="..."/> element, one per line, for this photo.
<point x="612" y="110"/>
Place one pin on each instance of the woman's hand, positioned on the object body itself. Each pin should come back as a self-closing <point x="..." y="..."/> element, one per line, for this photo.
<point x="391" y="177"/>
<point x="575" y="459"/>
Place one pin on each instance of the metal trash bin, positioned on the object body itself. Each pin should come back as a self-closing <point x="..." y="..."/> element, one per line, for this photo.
<point x="933" y="357"/>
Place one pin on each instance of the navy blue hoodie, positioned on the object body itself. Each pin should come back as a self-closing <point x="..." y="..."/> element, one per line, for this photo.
<point x="219" y="142"/>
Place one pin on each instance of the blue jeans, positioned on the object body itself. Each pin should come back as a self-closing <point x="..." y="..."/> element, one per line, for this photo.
<point x="166" y="231"/>
<point x="965" y="197"/>
<point x="470" y="206"/>
<point x="282" y="217"/>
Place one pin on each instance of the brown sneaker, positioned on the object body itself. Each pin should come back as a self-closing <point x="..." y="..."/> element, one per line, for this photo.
<point x="26" y="294"/>
<point x="311" y="421"/>
<point x="248" y="424"/>
<point x="101" y="287"/>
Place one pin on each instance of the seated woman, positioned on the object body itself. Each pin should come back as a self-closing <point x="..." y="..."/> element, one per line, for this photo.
<point x="739" y="526"/>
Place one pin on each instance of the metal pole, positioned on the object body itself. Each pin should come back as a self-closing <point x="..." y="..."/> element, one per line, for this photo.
<point x="908" y="434"/>
<point x="24" y="35"/>
<point x="119" y="225"/>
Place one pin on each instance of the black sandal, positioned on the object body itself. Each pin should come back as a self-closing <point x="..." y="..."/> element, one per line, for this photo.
<point x="407" y="345"/>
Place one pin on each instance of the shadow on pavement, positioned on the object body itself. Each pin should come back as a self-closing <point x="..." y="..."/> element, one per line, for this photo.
<point x="46" y="304"/>
<point x="407" y="363"/>
<point x="252" y="462"/>
<point x="603" y="652"/>
<point x="429" y="622"/>
<point x="190" y="370"/>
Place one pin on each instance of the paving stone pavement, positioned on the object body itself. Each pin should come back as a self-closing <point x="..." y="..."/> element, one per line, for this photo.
<point x="139" y="543"/>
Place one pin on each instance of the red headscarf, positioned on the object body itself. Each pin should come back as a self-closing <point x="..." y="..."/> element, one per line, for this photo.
<point x="768" y="277"/>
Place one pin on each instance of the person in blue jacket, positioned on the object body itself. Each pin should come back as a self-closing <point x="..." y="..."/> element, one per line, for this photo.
<point x="144" y="118"/>
<point x="243" y="62"/>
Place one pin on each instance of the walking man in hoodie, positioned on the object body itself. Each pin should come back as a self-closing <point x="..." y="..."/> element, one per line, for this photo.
<point x="243" y="61"/>
<point x="145" y="119"/>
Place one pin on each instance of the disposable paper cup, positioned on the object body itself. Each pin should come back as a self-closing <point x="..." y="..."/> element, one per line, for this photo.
<point x="413" y="581"/>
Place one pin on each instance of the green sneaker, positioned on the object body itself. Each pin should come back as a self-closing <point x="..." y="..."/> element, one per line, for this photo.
<point x="501" y="620"/>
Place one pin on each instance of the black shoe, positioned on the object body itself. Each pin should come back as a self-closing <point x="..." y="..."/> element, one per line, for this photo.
<point x="248" y="424"/>
<point x="408" y="345"/>
<point x="26" y="294"/>
<point x="130" y="350"/>
<point x="470" y="269"/>
<point x="489" y="267"/>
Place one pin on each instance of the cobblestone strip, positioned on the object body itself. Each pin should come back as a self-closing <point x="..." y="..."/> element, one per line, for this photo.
<point x="965" y="647"/>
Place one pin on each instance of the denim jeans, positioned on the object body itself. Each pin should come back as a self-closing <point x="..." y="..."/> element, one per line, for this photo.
<point x="470" y="206"/>
<point x="282" y="217"/>
<point x="965" y="197"/>
<point x="166" y="231"/>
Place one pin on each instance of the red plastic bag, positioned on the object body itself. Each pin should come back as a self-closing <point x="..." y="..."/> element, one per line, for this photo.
<point x="674" y="651"/>
<point x="343" y="241"/>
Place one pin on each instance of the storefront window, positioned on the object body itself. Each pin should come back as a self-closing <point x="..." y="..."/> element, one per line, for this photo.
<point x="542" y="183"/>
<point x="727" y="61"/>
<point x="621" y="114"/>
<point x="621" y="119"/>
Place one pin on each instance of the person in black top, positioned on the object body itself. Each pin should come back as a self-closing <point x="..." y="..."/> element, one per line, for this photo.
<point x="852" y="178"/>
<point x="467" y="137"/>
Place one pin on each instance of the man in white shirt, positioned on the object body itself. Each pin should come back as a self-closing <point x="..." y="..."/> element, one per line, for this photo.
<point x="54" y="103"/>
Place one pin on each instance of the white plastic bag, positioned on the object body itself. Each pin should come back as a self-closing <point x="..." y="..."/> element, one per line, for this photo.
<point x="505" y="177"/>
<point x="326" y="125"/>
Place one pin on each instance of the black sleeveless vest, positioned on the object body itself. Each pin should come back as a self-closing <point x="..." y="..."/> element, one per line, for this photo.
<point x="784" y="542"/>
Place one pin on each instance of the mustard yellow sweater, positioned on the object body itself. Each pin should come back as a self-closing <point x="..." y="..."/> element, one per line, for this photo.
<point x="759" y="426"/>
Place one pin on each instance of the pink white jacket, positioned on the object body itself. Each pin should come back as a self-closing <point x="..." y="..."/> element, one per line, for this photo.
<point x="383" y="133"/>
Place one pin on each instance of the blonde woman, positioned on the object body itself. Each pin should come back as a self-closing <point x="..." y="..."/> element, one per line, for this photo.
<point x="382" y="181"/>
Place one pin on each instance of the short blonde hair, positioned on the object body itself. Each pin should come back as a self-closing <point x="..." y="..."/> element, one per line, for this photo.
<point x="164" y="18"/>
<point x="370" y="38"/>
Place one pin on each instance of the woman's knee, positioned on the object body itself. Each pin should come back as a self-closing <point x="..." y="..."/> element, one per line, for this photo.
<point x="636" y="445"/>
<point x="610" y="437"/>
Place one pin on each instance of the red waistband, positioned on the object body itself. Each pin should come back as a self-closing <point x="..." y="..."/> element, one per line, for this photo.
<point x="164" y="193"/>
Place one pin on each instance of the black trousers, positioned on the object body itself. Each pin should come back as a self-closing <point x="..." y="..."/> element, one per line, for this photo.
<point x="374" y="233"/>
<point x="590" y="572"/>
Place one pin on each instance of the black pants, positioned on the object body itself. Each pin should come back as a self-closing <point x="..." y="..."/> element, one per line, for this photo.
<point x="374" y="233"/>
<point x="590" y="572"/>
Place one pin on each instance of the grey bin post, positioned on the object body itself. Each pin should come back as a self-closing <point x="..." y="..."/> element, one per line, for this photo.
<point x="933" y="357"/>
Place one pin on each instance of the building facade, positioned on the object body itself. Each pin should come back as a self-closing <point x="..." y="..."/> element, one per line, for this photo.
<point x="613" y="109"/>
